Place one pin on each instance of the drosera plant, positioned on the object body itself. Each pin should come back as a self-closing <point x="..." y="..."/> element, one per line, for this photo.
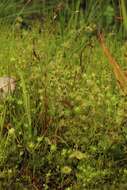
<point x="66" y="108"/>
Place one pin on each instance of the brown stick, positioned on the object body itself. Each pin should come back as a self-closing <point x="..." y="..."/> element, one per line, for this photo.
<point x="119" y="74"/>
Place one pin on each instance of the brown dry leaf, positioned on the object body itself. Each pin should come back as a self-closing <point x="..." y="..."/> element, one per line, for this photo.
<point x="120" y="75"/>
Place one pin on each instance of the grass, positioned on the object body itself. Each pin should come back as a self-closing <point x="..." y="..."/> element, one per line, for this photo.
<point x="124" y="13"/>
<point x="65" y="125"/>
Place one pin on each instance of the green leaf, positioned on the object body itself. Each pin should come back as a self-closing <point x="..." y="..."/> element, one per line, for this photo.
<point x="124" y="13"/>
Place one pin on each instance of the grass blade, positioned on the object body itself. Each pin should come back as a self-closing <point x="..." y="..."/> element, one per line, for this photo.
<point x="124" y="13"/>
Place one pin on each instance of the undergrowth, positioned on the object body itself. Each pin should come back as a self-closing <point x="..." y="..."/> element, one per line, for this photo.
<point x="64" y="128"/>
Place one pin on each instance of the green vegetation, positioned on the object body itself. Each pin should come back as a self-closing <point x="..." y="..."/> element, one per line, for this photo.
<point x="65" y="126"/>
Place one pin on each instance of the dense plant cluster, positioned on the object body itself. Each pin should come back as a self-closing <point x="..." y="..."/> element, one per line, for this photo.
<point x="64" y="128"/>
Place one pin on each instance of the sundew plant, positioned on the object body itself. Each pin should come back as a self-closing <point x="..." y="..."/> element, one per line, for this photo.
<point x="63" y="127"/>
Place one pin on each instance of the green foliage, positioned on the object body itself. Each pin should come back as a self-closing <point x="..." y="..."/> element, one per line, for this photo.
<point x="124" y="13"/>
<point x="109" y="15"/>
<point x="64" y="128"/>
<point x="65" y="125"/>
